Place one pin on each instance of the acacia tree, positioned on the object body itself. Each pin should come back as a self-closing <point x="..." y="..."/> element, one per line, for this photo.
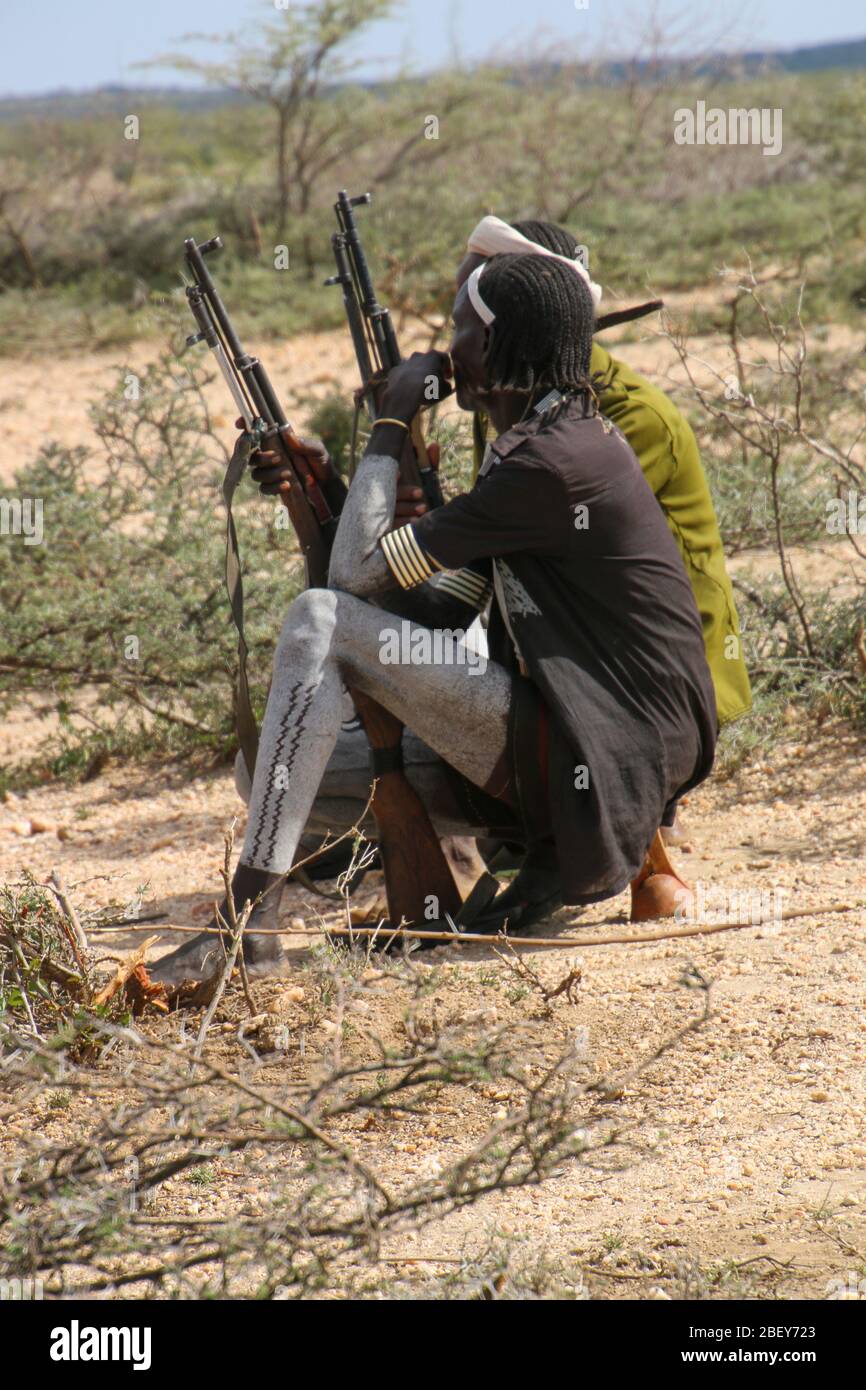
<point x="298" y="67"/>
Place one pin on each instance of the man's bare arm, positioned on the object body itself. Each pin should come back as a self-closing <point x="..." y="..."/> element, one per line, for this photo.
<point x="358" y="565"/>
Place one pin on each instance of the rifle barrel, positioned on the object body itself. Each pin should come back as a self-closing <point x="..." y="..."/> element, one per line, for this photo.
<point x="373" y="335"/>
<point x="357" y="325"/>
<point x="380" y="325"/>
<point x="262" y="394"/>
<point x="203" y="278"/>
<point x="258" y="403"/>
<point x="208" y="330"/>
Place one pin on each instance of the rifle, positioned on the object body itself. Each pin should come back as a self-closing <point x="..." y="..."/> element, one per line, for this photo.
<point x="414" y="864"/>
<point x="268" y="428"/>
<point x="374" y="338"/>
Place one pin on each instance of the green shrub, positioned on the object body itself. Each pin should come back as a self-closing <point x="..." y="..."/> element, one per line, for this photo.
<point x="120" y="614"/>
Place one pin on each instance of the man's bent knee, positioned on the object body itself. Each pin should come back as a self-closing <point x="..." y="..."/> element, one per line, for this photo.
<point x="308" y="629"/>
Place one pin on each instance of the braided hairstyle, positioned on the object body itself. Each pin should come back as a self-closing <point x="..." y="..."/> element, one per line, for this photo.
<point x="561" y="242"/>
<point x="541" y="338"/>
<point x="550" y="236"/>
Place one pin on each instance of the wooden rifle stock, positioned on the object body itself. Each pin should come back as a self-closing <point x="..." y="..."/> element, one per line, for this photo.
<point x="416" y="870"/>
<point x="309" y="513"/>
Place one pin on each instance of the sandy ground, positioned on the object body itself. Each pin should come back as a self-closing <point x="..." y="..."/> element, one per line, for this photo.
<point x="752" y="1179"/>
<point x="315" y="363"/>
<point x="752" y="1175"/>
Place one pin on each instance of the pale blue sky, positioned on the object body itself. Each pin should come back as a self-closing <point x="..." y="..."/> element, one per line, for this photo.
<point x="47" y="44"/>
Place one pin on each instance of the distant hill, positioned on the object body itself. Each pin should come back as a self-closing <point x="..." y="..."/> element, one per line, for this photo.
<point x="847" y="53"/>
<point x="112" y="100"/>
<point x="119" y="100"/>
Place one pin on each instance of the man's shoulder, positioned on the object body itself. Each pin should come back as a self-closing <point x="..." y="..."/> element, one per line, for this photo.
<point x="578" y="458"/>
<point x="628" y="395"/>
<point x="554" y="443"/>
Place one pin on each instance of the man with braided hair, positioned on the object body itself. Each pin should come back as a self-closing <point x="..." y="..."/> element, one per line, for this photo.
<point x="668" y="454"/>
<point x="580" y="725"/>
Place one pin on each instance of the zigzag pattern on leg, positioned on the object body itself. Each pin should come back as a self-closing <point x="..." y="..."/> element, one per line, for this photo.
<point x="288" y="764"/>
<point x="263" y="816"/>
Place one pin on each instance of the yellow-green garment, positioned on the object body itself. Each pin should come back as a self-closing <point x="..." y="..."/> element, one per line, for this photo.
<point x="668" y="454"/>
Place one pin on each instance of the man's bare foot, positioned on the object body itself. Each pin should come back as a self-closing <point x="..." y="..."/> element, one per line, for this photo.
<point x="192" y="961"/>
<point x="203" y="953"/>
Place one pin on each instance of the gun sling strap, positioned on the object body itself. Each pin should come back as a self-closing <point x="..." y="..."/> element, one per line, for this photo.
<point x="245" y="720"/>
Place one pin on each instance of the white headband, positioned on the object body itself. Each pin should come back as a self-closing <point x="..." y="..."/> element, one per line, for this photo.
<point x="484" y="312"/>
<point x="493" y="237"/>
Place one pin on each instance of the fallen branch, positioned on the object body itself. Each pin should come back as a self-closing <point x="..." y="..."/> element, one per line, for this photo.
<point x="628" y="939"/>
<point x="457" y="938"/>
<point x="124" y="923"/>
